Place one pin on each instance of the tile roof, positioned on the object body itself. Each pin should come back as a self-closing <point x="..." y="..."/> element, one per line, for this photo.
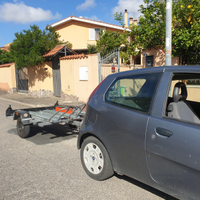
<point x="56" y="49"/>
<point x="100" y="23"/>
<point x="72" y="57"/>
<point x="53" y="51"/>
<point x="5" y="48"/>
<point x="6" y="65"/>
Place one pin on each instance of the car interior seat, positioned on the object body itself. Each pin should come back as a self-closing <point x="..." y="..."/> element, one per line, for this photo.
<point x="179" y="108"/>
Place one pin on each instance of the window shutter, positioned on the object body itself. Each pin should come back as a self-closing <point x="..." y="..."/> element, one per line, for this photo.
<point x="91" y="34"/>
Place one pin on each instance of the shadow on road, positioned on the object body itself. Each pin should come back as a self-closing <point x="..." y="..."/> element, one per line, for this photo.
<point x="146" y="187"/>
<point x="49" y="134"/>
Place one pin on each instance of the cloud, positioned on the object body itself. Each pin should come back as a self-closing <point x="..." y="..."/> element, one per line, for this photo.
<point x="131" y="5"/>
<point x="86" y="5"/>
<point x="94" y="17"/>
<point x="21" y="13"/>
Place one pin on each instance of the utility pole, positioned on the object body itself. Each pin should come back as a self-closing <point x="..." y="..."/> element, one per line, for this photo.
<point x="168" y="35"/>
<point x="118" y="60"/>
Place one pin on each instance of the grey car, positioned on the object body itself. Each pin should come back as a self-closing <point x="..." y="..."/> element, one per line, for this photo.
<point x="145" y="124"/>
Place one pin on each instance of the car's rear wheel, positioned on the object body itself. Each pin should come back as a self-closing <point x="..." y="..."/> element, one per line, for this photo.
<point x="95" y="159"/>
<point x="23" y="131"/>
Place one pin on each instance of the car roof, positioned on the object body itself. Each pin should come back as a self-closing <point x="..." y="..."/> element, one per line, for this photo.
<point x="175" y="69"/>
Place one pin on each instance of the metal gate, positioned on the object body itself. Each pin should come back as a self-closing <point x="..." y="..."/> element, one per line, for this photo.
<point x="108" y="64"/>
<point x="22" y="80"/>
<point x="56" y="78"/>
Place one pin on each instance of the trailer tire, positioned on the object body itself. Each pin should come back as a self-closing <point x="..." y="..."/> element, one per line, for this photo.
<point x="23" y="131"/>
<point x="95" y="159"/>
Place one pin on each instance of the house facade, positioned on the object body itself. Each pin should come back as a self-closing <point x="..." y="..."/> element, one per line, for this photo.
<point x="81" y="32"/>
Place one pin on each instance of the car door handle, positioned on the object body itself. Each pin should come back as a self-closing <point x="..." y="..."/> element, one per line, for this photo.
<point x="163" y="132"/>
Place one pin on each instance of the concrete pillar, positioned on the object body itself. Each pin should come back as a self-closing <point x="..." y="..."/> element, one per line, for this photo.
<point x="126" y="18"/>
<point x="130" y="21"/>
<point x="135" y="22"/>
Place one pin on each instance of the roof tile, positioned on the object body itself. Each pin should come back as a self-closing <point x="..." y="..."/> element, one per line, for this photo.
<point x="6" y="65"/>
<point x="5" y="48"/>
<point x="72" y="57"/>
<point x="55" y="50"/>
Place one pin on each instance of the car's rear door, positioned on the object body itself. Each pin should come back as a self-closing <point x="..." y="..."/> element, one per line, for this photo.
<point x="123" y="119"/>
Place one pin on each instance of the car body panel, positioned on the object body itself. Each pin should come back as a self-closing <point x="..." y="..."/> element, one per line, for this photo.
<point x="173" y="160"/>
<point x="149" y="147"/>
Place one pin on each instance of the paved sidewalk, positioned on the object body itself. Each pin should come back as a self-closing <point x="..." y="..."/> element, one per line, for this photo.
<point x="34" y="102"/>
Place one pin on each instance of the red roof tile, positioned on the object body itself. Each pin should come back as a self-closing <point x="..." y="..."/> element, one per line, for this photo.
<point x="53" y="51"/>
<point x="5" y="48"/>
<point x="71" y="57"/>
<point x="56" y="49"/>
<point x="6" y="65"/>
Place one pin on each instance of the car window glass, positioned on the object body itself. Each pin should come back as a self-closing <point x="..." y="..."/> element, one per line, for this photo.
<point x="134" y="92"/>
<point x="183" y="101"/>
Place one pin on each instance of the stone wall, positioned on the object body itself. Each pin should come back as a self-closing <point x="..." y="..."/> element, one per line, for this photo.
<point x="40" y="93"/>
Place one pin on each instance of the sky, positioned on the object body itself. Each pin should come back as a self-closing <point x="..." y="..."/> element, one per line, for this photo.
<point x="17" y="15"/>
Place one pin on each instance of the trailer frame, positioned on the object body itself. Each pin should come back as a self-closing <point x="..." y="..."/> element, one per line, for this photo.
<point x="45" y="116"/>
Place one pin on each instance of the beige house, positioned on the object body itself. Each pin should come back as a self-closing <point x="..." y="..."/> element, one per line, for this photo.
<point x="78" y="73"/>
<point x="80" y="31"/>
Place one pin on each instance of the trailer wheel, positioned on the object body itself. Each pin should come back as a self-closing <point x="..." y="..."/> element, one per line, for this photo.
<point x="23" y="131"/>
<point x="95" y="159"/>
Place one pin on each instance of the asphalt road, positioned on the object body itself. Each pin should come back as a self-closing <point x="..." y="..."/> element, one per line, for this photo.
<point x="47" y="166"/>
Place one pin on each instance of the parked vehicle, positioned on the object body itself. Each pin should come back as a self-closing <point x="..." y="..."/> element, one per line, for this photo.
<point x="146" y="124"/>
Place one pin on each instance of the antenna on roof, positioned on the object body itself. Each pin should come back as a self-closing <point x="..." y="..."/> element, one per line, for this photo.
<point x="73" y="14"/>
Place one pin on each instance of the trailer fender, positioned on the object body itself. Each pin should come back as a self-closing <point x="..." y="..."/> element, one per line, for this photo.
<point x="24" y="115"/>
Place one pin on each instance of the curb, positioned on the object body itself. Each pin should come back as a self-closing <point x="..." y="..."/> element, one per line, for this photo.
<point x="27" y="104"/>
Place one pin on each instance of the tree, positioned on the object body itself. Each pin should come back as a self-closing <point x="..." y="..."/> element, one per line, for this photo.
<point x="67" y="43"/>
<point x="150" y="31"/>
<point x="108" y="41"/>
<point x="5" y="57"/>
<point x="30" y="45"/>
<point x="119" y="17"/>
<point x="92" y="49"/>
<point x="186" y="30"/>
<point x="111" y="40"/>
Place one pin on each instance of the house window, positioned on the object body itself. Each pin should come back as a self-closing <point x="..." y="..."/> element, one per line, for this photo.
<point x="138" y="60"/>
<point x="94" y="33"/>
<point x="97" y="30"/>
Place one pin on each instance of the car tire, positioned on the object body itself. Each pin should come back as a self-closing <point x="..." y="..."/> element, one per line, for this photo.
<point x="23" y="131"/>
<point x="95" y="159"/>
